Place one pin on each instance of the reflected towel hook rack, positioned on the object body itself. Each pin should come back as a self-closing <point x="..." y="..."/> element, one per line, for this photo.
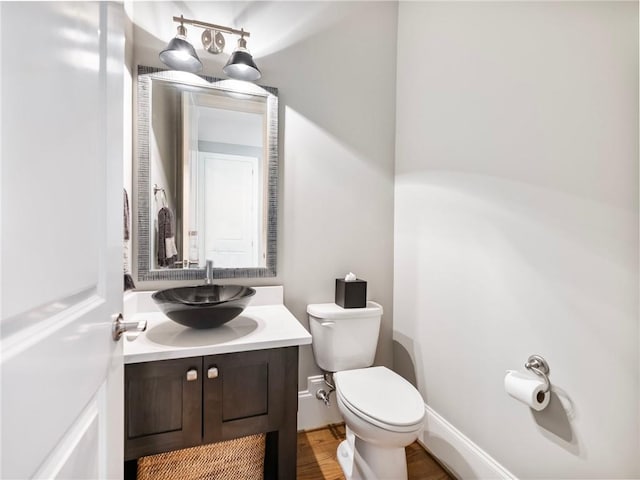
<point x="157" y="189"/>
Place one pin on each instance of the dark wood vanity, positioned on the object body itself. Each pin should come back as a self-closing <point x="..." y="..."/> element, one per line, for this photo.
<point x="186" y="387"/>
<point x="184" y="402"/>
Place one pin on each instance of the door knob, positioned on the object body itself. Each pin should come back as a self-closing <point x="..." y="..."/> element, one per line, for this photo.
<point x="212" y="372"/>
<point x="120" y="326"/>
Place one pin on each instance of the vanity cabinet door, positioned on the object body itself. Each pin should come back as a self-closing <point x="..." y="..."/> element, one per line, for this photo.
<point x="242" y="394"/>
<point x="163" y="406"/>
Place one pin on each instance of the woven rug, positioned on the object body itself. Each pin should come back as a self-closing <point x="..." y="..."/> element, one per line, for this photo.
<point x="241" y="458"/>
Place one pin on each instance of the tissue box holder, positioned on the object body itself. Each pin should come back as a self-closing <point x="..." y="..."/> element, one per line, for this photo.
<point x="351" y="294"/>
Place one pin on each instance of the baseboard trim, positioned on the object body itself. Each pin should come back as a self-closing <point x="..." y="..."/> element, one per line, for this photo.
<point x="312" y="413"/>
<point x="457" y="453"/>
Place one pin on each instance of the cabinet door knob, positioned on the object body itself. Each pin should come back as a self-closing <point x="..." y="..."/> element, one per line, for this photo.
<point x="212" y="372"/>
<point x="192" y="375"/>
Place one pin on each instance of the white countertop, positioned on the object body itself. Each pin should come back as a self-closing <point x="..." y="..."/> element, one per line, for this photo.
<point x="265" y="323"/>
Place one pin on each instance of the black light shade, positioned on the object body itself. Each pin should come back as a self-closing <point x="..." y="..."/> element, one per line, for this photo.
<point x="241" y="65"/>
<point x="180" y="55"/>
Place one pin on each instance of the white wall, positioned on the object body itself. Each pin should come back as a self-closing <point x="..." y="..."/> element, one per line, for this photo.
<point x="516" y="227"/>
<point x="334" y="66"/>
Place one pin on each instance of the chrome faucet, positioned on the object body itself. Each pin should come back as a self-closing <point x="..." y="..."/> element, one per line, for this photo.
<point x="208" y="272"/>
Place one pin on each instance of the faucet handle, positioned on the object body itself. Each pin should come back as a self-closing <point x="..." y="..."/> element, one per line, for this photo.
<point x="208" y="272"/>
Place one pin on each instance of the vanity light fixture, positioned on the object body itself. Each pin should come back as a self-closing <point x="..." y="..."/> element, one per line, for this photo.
<point x="241" y="65"/>
<point x="180" y="54"/>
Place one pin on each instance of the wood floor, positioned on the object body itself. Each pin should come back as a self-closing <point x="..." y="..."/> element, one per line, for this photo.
<point x="317" y="457"/>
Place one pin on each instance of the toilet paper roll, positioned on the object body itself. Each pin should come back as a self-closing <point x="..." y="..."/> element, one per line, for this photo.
<point x="527" y="388"/>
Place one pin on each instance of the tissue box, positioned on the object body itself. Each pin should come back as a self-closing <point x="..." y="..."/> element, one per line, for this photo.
<point x="351" y="294"/>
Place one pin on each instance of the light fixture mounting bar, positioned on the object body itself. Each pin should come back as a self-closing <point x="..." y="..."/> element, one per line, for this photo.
<point x="219" y="28"/>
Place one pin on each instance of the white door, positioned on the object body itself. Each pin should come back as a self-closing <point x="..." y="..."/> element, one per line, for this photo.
<point x="61" y="143"/>
<point x="230" y="209"/>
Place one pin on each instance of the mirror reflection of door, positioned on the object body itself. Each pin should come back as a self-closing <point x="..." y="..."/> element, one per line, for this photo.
<point x="229" y="181"/>
<point x="224" y="190"/>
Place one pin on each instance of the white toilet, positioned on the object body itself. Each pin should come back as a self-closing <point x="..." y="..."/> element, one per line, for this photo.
<point x="383" y="412"/>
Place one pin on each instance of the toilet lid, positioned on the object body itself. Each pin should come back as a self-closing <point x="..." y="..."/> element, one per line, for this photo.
<point x="331" y="311"/>
<point x="382" y="395"/>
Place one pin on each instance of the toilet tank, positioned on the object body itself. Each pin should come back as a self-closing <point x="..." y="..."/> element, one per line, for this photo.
<point x="344" y="338"/>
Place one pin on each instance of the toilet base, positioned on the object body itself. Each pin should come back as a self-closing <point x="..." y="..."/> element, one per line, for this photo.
<point x="360" y="460"/>
<point x="345" y="459"/>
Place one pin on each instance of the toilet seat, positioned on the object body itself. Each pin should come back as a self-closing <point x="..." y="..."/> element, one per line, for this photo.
<point x="381" y="397"/>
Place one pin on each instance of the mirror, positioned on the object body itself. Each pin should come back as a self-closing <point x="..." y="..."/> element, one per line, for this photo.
<point x="206" y="177"/>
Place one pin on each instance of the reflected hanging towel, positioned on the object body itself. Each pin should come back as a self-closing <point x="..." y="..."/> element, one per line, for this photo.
<point x="167" y="252"/>
<point x="126" y="215"/>
<point x="128" y="280"/>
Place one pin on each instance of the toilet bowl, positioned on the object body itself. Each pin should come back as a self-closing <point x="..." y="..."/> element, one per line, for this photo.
<point x="383" y="412"/>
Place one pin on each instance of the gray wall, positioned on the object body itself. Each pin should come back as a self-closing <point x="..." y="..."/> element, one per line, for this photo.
<point x="165" y="156"/>
<point x="334" y="66"/>
<point x="516" y="227"/>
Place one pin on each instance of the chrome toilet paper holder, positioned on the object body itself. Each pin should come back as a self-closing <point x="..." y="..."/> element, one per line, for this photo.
<point x="540" y="367"/>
